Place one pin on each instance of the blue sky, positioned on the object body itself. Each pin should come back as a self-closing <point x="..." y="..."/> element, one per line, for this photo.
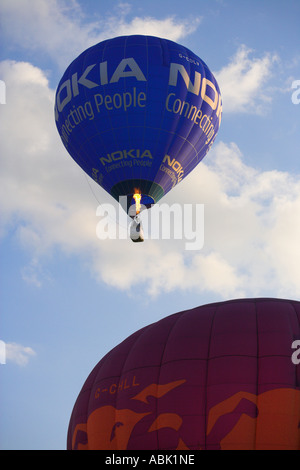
<point x="67" y="297"/>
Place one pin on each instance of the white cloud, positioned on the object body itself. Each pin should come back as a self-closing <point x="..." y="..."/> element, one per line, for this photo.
<point x="18" y="354"/>
<point x="34" y="273"/>
<point x="252" y="217"/>
<point x="49" y="26"/>
<point x="61" y="30"/>
<point x="170" y="27"/>
<point x="242" y="82"/>
<point x="252" y="228"/>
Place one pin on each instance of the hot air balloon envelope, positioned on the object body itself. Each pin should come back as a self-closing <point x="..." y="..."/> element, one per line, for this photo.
<point x="220" y="376"/>
<point x="138" y="113"/>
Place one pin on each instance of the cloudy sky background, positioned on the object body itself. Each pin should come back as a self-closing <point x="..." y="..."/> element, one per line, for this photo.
<point x="67" y="297"/>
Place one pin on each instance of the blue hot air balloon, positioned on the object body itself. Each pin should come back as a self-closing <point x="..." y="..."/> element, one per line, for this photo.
<point x="138" y="113"/>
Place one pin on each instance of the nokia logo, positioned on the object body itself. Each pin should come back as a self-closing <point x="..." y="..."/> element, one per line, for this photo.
<point x="70" y="88"/>
<point x="128" y="67"/>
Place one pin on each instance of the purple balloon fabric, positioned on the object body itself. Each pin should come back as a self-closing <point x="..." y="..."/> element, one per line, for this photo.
<point x="219" y="376"/>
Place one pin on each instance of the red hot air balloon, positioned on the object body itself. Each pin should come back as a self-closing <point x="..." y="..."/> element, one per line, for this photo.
<point x="220" y="376"/>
